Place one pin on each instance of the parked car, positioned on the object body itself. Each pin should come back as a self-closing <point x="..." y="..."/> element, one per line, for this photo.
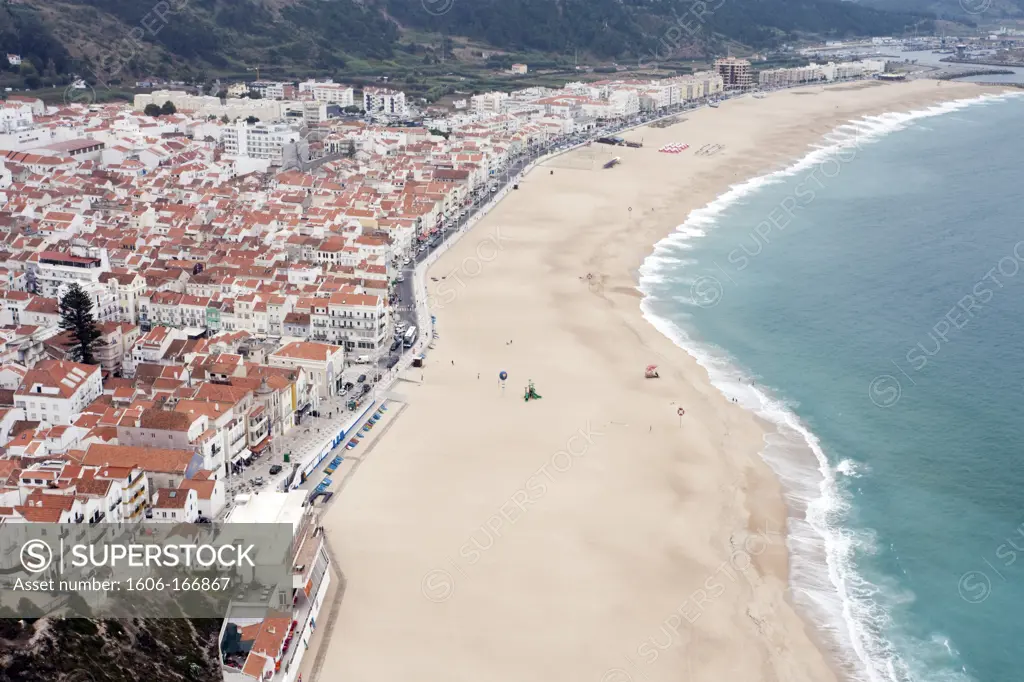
<point x="203" y="519"/>
<point x="361" y="379"/>
<point x="276" y="469"/>
<point x="366" y="388"/>
<point x="395" y="345"/>
<point x="258" y="481"/>
<point x="349" y="385"/>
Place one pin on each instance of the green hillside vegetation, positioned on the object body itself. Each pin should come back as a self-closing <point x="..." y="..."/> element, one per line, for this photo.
<point x="114" y="41"/>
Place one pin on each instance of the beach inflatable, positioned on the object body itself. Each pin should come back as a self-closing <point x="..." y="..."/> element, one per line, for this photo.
<point x="674" y="148"/>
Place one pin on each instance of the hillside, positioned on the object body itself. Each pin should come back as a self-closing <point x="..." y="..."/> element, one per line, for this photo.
<point x="207" y="38"/>
<point x="968" y="11"/>
<point x="78" y="650"/>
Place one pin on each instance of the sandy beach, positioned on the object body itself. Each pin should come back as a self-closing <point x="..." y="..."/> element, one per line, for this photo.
<point x="594" y="535"/>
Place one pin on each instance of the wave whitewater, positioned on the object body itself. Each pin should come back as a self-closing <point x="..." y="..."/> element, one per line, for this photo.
<point x="850" y="610"/>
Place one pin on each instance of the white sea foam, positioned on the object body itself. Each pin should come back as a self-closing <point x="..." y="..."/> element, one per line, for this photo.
<point x="851" y="610"/>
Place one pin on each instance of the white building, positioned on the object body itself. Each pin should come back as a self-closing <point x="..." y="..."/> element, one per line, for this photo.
<point x="56" y="270"/>
<point x="322" y="362"/>
<point x="488" y="103"/>
<point x="268" y="89"/>
<point x="333" y="93"/>
<point x="56" y="391"/>
<point x="781" y="78"/>
<point x="174" y="505"/>
<point x="384" y="101"/>
<point x="104" y="301"/>
<point x="624" y="103"/>
<point x="210" y="495"/>
<point x="15" y="117"/>
<point x="259" y="141"/>
<point x="267" y="658"/>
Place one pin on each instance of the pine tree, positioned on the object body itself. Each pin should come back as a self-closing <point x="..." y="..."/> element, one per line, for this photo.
<point x="76" y="317"/>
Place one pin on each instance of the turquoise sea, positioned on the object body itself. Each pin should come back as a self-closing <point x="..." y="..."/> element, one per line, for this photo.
<point x="869" y="302"/>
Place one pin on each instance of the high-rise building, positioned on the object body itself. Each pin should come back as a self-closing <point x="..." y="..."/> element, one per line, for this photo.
<point x="734" y="72"/>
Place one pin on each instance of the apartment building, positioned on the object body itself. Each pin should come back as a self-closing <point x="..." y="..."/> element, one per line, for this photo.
<point x="322" y="362"/>
<point x="488" y="103"/>
<point x="157" y="428"/>
<point x="54" y="270"/>
<point x="784" y="78"/>
<point x="15" y="117"/>
<point x="268" y="89"/>
<point x="259" y="140"/>
<point x="56" y="391"/>
<point x="735" y="72"/>
<point x="359" y="322"/>
<point x="163" y="467"/>
<point x="334" y="93"/>
<point x="127" y="288"/>
<point x="384" y="101"/>
<point x="151" y="348"/>
<point x="114" y="342"/>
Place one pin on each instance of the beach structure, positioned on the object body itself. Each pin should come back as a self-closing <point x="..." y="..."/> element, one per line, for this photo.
<point x="530" y="393"/>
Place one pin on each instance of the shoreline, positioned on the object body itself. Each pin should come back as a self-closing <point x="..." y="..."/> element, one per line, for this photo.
<point x="776" y="418"/>
<point x="736" y="604"/>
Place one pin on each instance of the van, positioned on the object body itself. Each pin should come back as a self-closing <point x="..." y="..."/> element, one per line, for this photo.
<point x="362" y="359"/>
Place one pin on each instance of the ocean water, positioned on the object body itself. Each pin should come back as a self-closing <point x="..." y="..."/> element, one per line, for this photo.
<point x="868" y="301"/>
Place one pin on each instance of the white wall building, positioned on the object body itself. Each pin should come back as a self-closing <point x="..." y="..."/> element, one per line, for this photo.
<point x="488" y="103"/>
<point x="259" y="141"/>
<point x="384" y="101"/>
<point x="56" y="391"/>
<point x="174" y="505"/>
<point x="334" y="93"/>
<point x="56" y="270"/>
<point x="15" y="117"/>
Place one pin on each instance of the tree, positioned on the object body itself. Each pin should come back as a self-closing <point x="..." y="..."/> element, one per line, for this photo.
<point x="251" y="120"/>
<point x="225" y="119"/>
<point x="152" y="110"/>
<point x="351" y="149"/>
<point x="168" y="108"/>
<point x="76" y="317"/>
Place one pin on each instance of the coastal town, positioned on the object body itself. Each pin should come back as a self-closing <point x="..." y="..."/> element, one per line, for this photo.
<point x="250" y="264"/>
